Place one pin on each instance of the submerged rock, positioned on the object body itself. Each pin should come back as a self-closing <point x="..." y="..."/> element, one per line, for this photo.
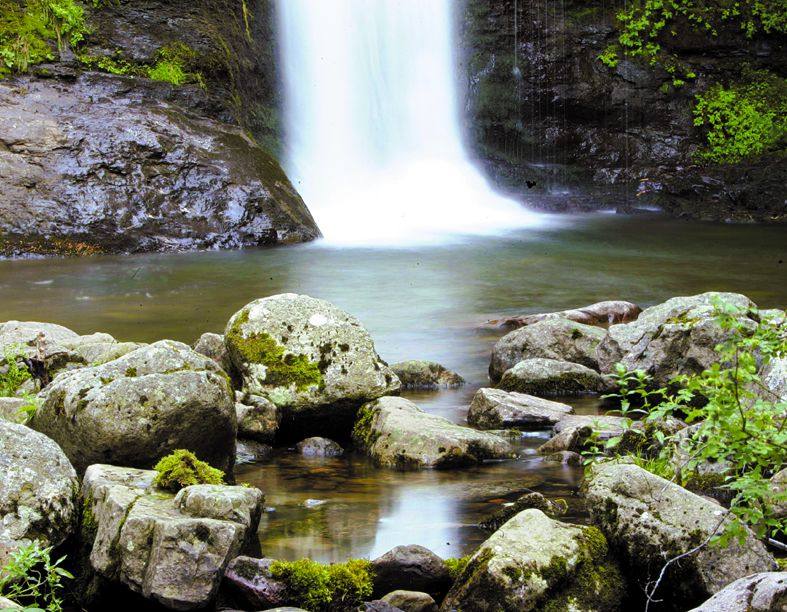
<point x="397" y="433"/>
<point x="533" y="561"/>
<point x="650" y="520"/>
<point x="412" y="567"/>
<point x="314" y="361"/>
<point x="548" y="377"/>
<point x="319" y="447"/>
<point x="38" y="489"/>
<point x="559" y="339"/>
<point x="495" y="409"/>
<point x="411" y="601"/>
<point x="600" y="313"/>
<point x="136" y="409"/>
<point x="426" y="375"/>
<point x="763" y="592"/>
<point x="564" y="457"/>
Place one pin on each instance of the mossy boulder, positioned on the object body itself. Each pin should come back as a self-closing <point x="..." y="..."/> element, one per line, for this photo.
<point x="496" y="409"/>
<point x="649" y="520"/>
<point x="550" y="377"/>
<point x="136" y="409"/>
<point x="396" y="433"/>
<point x="426" y="375"/>
<point x="557" y="338"/>
<point x="536" y="563"/>
<point x="315" y="362"/>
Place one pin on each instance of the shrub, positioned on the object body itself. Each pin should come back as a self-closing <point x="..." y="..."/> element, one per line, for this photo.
<point x="31" y="578"/>
<point x="318" y="587"/>
<point x="182" y="469"/>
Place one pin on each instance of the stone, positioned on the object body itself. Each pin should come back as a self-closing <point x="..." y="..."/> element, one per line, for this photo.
<point x="779" y="487"/>
<point x="138" y="408"/>
<point x="377" y="605"/>
<point x="410" y="567"/>
<point x="258" y="418"/>
<point x="532" y="561"/>
<point x="99" y="348"/>
<point x="250" y="580"/>
<point x="495" y="408"/>
<point x="559" y="339"/>
<point x="411" y="601"/>
<point x="11" y="409"/>
<point x="319" y="447"/>
<point x="532" y="499"/>
<point x="43" y="342"/>
<point x="426" y="375"/>
<point x="251" y="451"/>
<point x="565" y="458"/>
<point x="600" y="313"/>
<point x="38" y="489"/>
<point x="548" y="377"/>
<point x="397" y="433"/>
<point x="213" y="346"/>
<point x="650" y="520"/>
<point x="7" y="604"/>
<point x="763" y="592"/>
<point x="774" y="379"/>
<point x="169" y="549"/>
<point x="606" y="426"/>
<point x="314" y="361"/>
<point x="571" y="440"/>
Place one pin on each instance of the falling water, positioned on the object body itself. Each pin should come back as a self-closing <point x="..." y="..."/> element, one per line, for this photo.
<point x="374" y="144"/>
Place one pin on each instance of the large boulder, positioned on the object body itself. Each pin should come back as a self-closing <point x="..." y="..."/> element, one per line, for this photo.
<point x="314" y="361"/>
<point x="650" y="520"/>
<point x="549" y="377"/>
<point x="603" y="313"/>
<point x="426" y="375"/>
<point x="673" y="338"/>
<point x="38" y="489"/>
<point x="535" y="563"/>
<point x="410" y="567"/>
<point x="557" y="338"/>
<point x="498" y="409"/>
<point x="170" y="549"/>
<point x="136" y="409"/>
<point x="397" y="433"/>
<point x="763" y="592"/>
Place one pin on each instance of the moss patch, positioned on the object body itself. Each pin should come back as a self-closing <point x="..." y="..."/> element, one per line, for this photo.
<point x="182" y="469"/>
<point x="314" y="586"/>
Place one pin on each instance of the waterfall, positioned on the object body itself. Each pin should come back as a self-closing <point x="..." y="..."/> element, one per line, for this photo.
<point x="372" y="123"/>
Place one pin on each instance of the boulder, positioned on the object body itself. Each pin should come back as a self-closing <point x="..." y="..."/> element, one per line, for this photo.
<point x="548" y="377"/>
<point x="319" y="447"/>
<point x="136" y="409"/>
<point x="763" y="592"/>
<point x="258" y="418"/>
<point x="11" y="409"/>
<point x="99" y="348"/>
<point x="558" y="338"/>
<point x="38" y="489"/>
<point x="774" y="379"/>
<point x="377" y="605"/>
<point x="532" y="499"/>
<point x="250" y="580"/>
<point x="669" y="339"/>
<point x="314" y="361"/>
<point x="571" y="440"/>
<point x="495" y="408"/>
<point x="533" y="561"/>
<point x="397" y="433"/>
<point x="600" y="313"/>
<point x="426" y="375"/>
<point x="411" y="601"/>
<point x="650" y="520"/>
<point x="170" y="549"/>
<point x="411" y="567"/>
<point x="251" y="451"/>
<point x="213" y="346"/>
<point x="606" y="426"/>
<point x="7" y="604"/>
<point x="43" y="343"/>
<point x="564" y="457"/>
<point x="779" y="487"/>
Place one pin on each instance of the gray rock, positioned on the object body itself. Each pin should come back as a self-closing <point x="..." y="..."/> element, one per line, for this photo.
<point x="571" y="439"/>
<point x="397" y="433"/>
<point x="532" y="561"/>
<point x="258" y="418"/>
<point x="173" y="550"/>
<point x="38" y="489"/>
<point x="44" y="342"/>
<point x="605" y="425"/>
<point x="7" y="604"/>
<point x="548" y="377"/>
<point x="779" y="486"/>
<point x="136" y="409"/>
<point x="774" y="378"/>
<point x="559" y="339"/>
<point x="319" y="447"/>
<point x="377" y="605"/>
<point x="213" y="346"/>
<point x="11" y="409"/>
<point x="411" y="601"/>
<point x="564" y="457"/>
<point x="99" y="348"/>
<point x="495" y="408"/>
<point x="651" y="520"/>
<point x="426" y="375"/>
<point x="251" y="451"/>
<point x="553" y="509"/>
<point x="763" y="592"/>
<point x="250" y="580"/>
<point x="600" y="313"/>
<point x="411" y="567"/>
<point x="308" y="357"/>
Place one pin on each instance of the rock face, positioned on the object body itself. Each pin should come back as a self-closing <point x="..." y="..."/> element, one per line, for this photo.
<point x="38" y="489"/>
<point x="532" y="561"/>
<point x="650" y="520"/>
<point x="397" y="433"/>
<point x="764" y="592"/>
<point x="558" y="338"/>
<point x="600" y="313"/>
<point x="676" y="337"/>
<point x="498" y="409"/>
<point x="426" y="375"/>
<point x="549" y="377"/>
<point x="136" y="409"/>
<point x="97" y="162"/>
<point x="414" y="567"/>
<point x="314" y="361"/>
<point x="173" y="550"/>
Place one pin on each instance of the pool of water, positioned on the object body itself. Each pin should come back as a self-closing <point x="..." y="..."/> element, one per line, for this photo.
<point x="423" y="303"/>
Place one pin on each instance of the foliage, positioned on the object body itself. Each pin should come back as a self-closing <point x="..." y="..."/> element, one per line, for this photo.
<point x="31" y="578"/>
<point x="456" y="566"/>
<point x="182" y="469"/>
<point x="172" y="65"/>
<point x="15" y="374"/>
<point x="318" y="587"/>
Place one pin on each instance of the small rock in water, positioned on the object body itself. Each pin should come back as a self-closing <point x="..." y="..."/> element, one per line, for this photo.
<point x="426" y="375"/>
<point x="526" y="501"/>
<point x="411" y="601"/>
<point x="565" y="457"/>
<point x="313" y="503"/>
<point x="319" y="447"/>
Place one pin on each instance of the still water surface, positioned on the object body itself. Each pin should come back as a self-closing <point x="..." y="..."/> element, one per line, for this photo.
<point x="424" y="303"/>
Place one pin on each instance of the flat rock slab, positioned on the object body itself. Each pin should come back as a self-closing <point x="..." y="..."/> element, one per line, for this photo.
<point x="601" y="313"/>
<point x="497" y="409"/>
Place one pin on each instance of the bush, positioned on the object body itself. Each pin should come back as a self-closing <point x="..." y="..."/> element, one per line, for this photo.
<point x="32" y="579"/>
<point x="183" y="469"/>
<point x="318" y="587"/>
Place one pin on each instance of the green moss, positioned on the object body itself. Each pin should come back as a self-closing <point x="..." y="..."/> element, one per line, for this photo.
<point x="131" y="372"/>
<point x="282" y="369"/>
<point x="318" y="587"/>
<point x="182" y="469"/>
<point x="12" y="374"/>
<point x="363" y="435"/>
<point x="172" y="65"/>
<point x="456" y="566"/>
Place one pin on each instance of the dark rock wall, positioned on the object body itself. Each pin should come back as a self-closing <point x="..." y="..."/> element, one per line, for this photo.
<point x="554" y="126"/>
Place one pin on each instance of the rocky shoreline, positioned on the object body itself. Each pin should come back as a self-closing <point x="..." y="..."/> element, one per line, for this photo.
<point x="90" y="421"/>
